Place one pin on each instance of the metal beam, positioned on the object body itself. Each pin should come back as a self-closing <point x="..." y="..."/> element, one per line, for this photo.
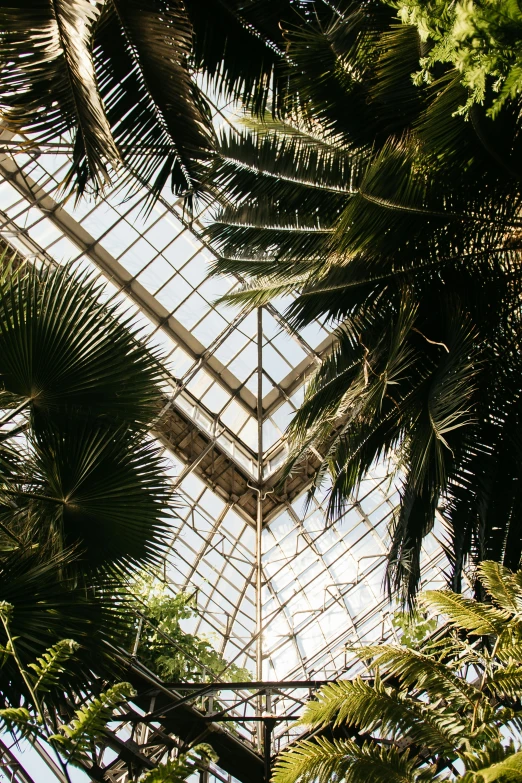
<point x="15" y="772"/>
<point x="94" y="250"/>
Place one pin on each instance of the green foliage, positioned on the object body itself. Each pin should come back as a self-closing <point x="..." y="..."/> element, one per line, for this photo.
<point x="52" y="664"/>
<point x="508" y="770"/>
<point x="421" y="714"/>
<point x="480" y="38"/>
<point x="415" y="627"/>
<point x="178" y="769"/>
<point x="90" y="720"/>
<point x="17" y="721"/>
<point x="83" y="493"/>
<point x="76" y="740"/>
<point x="119" y="77"/>
<point x="168" y="650"/>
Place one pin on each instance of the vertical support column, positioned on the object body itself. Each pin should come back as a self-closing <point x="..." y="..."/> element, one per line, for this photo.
<point x="259" y="519"/>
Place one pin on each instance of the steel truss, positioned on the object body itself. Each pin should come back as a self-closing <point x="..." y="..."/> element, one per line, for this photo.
<point x="164" y="720"/>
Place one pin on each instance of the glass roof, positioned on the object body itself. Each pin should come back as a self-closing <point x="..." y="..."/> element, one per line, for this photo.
<point x="162" y="265"/>
<point x="321" y="587"/>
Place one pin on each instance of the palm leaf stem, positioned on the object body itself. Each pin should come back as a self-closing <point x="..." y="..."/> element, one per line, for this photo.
<point x="395" y="205"/>
<point x="10" y="534"/>
<point x="285" y="178"/>
<point x="34" y="496"/>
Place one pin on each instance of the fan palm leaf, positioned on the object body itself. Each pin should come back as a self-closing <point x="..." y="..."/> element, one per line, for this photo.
<point x="61" y="345"/>
<point x="103" y="491"/>
<point x="50" y="604"/>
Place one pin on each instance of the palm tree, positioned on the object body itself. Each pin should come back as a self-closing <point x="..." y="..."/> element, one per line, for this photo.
<point x="119" y="77"/>
<point x="447" y="711"/>
<point x="398" y="222"/>
<point x="84" y="498"/>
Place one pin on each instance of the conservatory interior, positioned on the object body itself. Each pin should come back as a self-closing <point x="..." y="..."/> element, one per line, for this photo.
<point x="263" y="595"/>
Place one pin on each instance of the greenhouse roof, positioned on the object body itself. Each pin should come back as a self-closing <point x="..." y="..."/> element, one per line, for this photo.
<point x="277" y="591"/>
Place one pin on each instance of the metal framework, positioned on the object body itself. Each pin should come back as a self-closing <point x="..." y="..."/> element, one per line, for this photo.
<point x="277" y="593"/>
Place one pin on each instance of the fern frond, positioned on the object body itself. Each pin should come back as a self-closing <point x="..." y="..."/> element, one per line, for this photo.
<point x="491" y="754"/>
<point x="17" y="719"/>
<point x="321" y="761"/>
<point x="502" y="586"/>
<point x="367" y="707"/>
<point x="465" y="613"/>
<point x="90" y="721"/>
<point x="172" y="771"/>
<point x="178" y="769"/>
<point x="414" y="668"/>
<point x="510" y="769"/>
<point x="507" y="681"/>
<point x="52" y="663"/>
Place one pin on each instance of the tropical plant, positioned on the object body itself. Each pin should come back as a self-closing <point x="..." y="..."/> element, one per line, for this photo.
<point x="74" y="741"/>
<point x="480" y="39"/>
<point x="83" y="494"/>
<point x="182" y="766"/>
<point x="118" y="78"/>
<point x="448" y="711"/>
<point x="414" y="627"/>
<point x="165" y="648"/>
<point x="397" y="222"/>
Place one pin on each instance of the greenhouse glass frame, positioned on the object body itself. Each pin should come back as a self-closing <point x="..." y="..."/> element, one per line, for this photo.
<point x="277" y="591"/>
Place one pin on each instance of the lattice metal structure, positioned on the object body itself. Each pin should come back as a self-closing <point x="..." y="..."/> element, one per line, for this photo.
<point x="276" y="591"/>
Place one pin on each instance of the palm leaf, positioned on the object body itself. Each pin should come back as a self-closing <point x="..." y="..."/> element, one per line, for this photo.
<point x="159" y="117"/>
<point x="225" y="29"/>
<point x="422" y="671"/>
<point x="91" y="485"/>
<point x="320" y="760"/>
<point x="61" y="345"/>
<point x="465" y="613"/>
<point x="49" y="81"/>
<point x="502" y="586"/>
<point x="508" y="769"/>
<point x="371" y="707"/>
<point x="51" y="602"/>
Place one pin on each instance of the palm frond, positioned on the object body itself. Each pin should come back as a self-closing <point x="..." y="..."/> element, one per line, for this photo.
<point x="50" y="86"/>
<point x="508" y="769"/>
<point x="90" y="484"/>
<point x="423" y="671"/>
<point x="502" y="586"/>
<point x="17" y="721"/>
<point x="372" y="708"/>
<point x="61" y="345"/>
<point x="50" y="601"/>
<point x="159" y="117"/>
<point x="465" y="613"/>
<point x="321" y="760"/>
<point x="225" y="29"/>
